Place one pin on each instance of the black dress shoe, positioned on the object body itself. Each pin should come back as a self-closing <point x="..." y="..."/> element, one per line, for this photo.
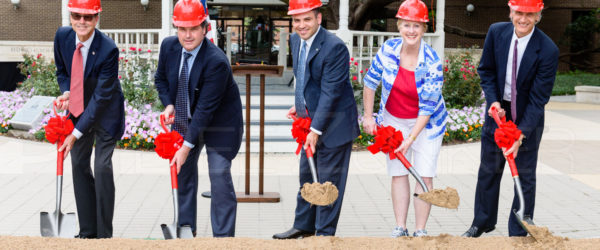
<point x="292" y="234"/>
<point x="79" y="236"/>
<point x="475" y="231"/>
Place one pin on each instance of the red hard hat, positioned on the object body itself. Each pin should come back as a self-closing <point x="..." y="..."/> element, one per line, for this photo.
<point x="188" y="13"/>
<point x="84" y="6"/>
<point x="526" y="5"/>
<point x="413" y="10"/>
<point x="302" y="6"/>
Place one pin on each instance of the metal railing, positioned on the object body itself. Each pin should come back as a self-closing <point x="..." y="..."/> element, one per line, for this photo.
<point x="141" y="39"/>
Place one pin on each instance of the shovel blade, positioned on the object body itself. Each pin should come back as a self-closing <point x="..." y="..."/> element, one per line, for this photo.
<point x="528" y="220"/>
<point x="169" y="231"/>
<point x="173" y="232"/>
<point x="58" y="224"/>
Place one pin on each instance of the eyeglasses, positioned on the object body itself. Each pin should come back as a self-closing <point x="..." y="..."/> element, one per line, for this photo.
<point x="87" y="18"/>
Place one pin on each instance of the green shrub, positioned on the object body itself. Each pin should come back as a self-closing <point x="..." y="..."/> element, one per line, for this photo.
<point x="461" y="81"/>
<point x="41" y="75"/>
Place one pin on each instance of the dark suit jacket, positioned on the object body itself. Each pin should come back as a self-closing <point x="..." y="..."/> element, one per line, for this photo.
<point x="215" y="101"/>
<point x="535" y="79"/>
<point x="327" y="90"/>
<point x="102" y="94"/>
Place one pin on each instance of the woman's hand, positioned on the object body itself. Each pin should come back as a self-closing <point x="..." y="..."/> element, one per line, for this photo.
<point x="369" y="125"/>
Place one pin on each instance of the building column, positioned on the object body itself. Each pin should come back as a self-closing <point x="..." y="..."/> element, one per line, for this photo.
<point x="65" y="13"/>
<point x="166" y="10"/>
<point x="343" y="32"/>
<point x="439" y="43"/>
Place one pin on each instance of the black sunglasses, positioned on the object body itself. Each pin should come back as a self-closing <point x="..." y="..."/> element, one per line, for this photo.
<point x="87" y="18"/>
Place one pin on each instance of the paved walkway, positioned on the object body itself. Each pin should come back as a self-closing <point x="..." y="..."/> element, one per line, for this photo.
<point x="567" y="202"/>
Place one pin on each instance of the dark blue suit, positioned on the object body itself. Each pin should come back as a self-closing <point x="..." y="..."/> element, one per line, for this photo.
<point x="216" y="122"/>
<point x="535" y="80"/>
<point x="330" y="103"/>
<point x="102" y="122"/>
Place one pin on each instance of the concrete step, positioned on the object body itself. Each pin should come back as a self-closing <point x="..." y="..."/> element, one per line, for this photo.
<point x="271" y="114"/>
<point x="270" y="100"/>
<point x="283" y="145"/>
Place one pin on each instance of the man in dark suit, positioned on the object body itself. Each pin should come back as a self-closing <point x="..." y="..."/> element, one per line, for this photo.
<point x="323" y="93"/>
<point x="195" y="84"/>
<point x="87" y="73"/>
<point x="517" y="70"/>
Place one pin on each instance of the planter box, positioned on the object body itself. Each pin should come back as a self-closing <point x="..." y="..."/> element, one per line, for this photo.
<point x="587" y="94"/>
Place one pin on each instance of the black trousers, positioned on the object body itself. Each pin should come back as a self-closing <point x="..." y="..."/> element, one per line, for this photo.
<point x="94" y="193"/>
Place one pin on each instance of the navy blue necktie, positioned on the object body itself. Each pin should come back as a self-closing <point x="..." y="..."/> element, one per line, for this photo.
<point x="181" y="101"/>
<point x="300" y="104"/>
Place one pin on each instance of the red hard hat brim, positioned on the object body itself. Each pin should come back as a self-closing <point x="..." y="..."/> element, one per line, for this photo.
<point x="526" y="8"/>
<point x="298" y="11"/>
<point x="193" y="23"/>
<point x="412" y="19"/>
<point x="84" y="11"/>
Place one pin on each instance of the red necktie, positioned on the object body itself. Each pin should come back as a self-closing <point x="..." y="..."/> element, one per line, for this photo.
<point x="513" y="85"/>
<point x="76" y="96"/>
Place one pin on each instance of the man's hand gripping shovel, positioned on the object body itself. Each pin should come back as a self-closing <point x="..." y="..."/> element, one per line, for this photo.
<point x="58" y="224"/>
<point x="315" y="193"/>
<point x="167" y="144"/>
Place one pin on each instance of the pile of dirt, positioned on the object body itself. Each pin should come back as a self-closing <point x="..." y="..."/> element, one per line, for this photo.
<point x="443" y="241"/>
<point x="542" y="234"/>
<point x="319" y="194"/>
<point x="447" y="198"/>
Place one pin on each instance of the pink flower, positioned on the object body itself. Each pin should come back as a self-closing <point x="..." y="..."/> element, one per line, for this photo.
<point x="356" y="63"/>
<point x="149" y="51"/>
<point x="351" y="58"/>
<point x="361" y="71"/>
<point x="126" y="60"/>
<point x="140" y="49"/>
<point x="39" y="55"/>
<point x="28" y="76"/>
<point x="123" y="50"/>
<point x="465" y="77"/>
<point x="132" y="48"/>
<point x="354" y="78"/>
<point x="119" y="77"/>
<point x="33" y="64"/>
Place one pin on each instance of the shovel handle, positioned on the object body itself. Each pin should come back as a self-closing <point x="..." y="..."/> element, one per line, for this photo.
<point x="173" y="169"/>
<point x="510" y="158"/>
<point x="311" y="163"/>
<point x="403" y="159"/>
<point x="162" y="122"/>
<point x="59" y="159"/>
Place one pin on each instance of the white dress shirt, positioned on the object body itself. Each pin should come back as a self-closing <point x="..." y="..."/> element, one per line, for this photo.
<point x="523" y="41"/>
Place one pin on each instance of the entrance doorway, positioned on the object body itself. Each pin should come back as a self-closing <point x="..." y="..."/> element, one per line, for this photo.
<point x="254" y="31"/>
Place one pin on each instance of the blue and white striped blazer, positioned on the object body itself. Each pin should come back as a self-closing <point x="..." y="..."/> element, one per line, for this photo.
<point x="428" y="77"/>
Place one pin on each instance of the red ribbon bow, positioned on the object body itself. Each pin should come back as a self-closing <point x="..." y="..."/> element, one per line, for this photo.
<point x="58" y="128"/>
<point x="167" y="144"/>
<point x="506" y="134"/>
<point x="387" y="139"/>
<point x="300" y="129"/>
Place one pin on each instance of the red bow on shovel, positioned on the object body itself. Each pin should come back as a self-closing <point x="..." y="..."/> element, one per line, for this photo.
<point x="314" y="193"/>
<point x="167" y="144"/>
<point x="387" y="139"/>
<point x="58" y="224"/>
<point x="505" y="136"/>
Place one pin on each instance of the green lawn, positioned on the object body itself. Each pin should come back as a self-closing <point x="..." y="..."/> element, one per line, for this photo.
<point x="565" y="82"/>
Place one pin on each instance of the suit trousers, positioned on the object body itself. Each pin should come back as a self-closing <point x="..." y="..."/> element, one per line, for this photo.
<point x="223" y="202"/>
<point x="488" y="182"/>
<point x="94" y="194"/>
<point x="332" y="165"/>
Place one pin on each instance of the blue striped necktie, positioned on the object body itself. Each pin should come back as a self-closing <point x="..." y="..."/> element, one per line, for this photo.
<point x="300" y="104"/>
<point x="182" y="99"/>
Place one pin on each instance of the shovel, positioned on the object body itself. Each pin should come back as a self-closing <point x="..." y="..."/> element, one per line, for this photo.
<point x="58" y="224"/>
<point x="447" y="198"/>
<point x="174" y="231"/>
<point x="317" y="193"/>
<point x="525" y="222"/>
